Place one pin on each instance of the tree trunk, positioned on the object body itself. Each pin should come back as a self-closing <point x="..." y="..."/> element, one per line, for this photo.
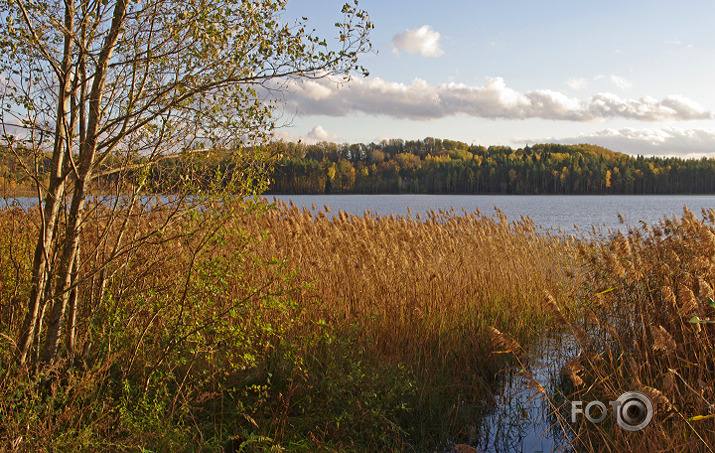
<point x="71" y="330"/>
<point x="87" y="154"/>
<point x="64" y="279"/>
<point x="41" y="266"/>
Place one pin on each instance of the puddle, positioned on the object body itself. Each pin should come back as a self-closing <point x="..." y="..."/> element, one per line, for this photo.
<point x="523" y="420"/>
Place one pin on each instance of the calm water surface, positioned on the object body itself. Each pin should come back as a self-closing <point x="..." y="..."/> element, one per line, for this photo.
<point x="570" y="213"/>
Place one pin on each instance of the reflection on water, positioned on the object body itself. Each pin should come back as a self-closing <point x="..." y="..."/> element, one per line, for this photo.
<point x="523" y="419"/>
<point x="17" y="202"/>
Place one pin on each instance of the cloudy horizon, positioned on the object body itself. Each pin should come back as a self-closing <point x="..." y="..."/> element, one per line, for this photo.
<point x="510" y="82"/>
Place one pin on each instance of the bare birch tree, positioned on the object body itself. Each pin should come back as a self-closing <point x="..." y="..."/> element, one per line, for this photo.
<point x="106" y="89"/>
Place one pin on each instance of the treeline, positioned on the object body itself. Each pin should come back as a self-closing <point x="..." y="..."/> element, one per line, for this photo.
<point x="437" y="166"/>
<point x="13" y="175"/>
<point x="430" y="166"/>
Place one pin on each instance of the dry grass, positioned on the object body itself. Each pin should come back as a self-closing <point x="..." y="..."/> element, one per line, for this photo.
<point x="352" y="332"/>
<point x="652" y="283"/>
<point x="425" y="293"/>
<point x="313" y="331"/>
<point x="427" y="288"/>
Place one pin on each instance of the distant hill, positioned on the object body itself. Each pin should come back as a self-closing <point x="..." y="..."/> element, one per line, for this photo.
<point x="444" y="166"/>
<point x="435" y="166"/>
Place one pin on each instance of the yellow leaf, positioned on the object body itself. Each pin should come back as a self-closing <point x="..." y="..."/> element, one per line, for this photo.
<point x="608" y="290"/>
<point x="701" y="417"/>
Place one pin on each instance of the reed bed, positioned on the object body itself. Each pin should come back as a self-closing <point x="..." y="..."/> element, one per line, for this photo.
<point x="441" y="278"/>
<point x="424" y="293"/>
<point x="256" y="327"/>
<point x="277" y="328"/>
<point x="649" y="322"/>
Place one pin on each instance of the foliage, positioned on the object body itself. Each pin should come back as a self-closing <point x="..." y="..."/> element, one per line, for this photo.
<point x="103" y="91"/>
<point x="430" y="166"/>
<point x="444" y="166"/>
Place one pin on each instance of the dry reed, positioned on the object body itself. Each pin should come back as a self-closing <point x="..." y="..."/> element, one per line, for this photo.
<point x="247" y="308"/>
<point x="427" y="287"/>
<point x="650" y="338"/>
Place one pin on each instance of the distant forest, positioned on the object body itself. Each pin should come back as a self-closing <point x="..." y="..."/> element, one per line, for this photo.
<point x="429" y="166"/>
<point x="435" y="166"/>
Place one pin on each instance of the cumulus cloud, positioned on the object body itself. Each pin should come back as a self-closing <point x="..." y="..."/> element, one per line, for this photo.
<point x="621" y="82"/>
<point x="316" y="135"/>
<point x="319" y="134"/>
<point x="494" y="99"/>
<point x="423" y="40"/>
<point x="670" y="141"/>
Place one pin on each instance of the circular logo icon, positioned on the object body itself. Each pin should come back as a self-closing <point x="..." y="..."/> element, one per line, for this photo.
<point x="634" y="411"/>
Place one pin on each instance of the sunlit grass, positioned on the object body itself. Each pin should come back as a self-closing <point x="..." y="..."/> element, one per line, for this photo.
<point x="651" y="300"/>
<point x="423" y="293"/>
<point x="291" y="330"/>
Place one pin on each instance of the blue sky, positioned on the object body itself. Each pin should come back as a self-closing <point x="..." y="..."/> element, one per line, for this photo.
<point x="634" y="76"/>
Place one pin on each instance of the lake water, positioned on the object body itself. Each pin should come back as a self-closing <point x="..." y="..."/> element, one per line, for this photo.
<point x="570" y="213"/>
<point x="523" y="419"/>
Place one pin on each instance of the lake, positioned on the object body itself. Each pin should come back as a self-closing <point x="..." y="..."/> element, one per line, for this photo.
<point x="570" y="213"/>
<point x="573" y="214"/>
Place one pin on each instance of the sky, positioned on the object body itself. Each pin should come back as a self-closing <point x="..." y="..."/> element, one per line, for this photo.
<point x="633" y="76"/>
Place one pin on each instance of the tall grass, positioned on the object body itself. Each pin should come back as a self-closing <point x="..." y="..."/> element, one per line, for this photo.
<point x="422" y="294"/>
<point x="163" y="334"/>
<point x="423" y="280"/>
<point x="649" y="321"/>
<point x="278" y="328"/>
<point x="246" y="327"/>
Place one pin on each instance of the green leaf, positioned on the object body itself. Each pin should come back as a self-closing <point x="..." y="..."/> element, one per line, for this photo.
<point x="696" y="320"/>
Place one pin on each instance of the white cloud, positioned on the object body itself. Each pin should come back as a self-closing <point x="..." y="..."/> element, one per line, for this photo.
<point x="577" y="83"/>
<point x="678" y="43"/>
<point x="422" y="101"/>
<point x="319" y="134"/>
<point x="617" y="81"/>
<point x="315" y="90"/>
<point x="423" y="40"/>
<point x="316" y="135"/>
<point x="621" y="82"/>
<point x="668" y="141"/>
